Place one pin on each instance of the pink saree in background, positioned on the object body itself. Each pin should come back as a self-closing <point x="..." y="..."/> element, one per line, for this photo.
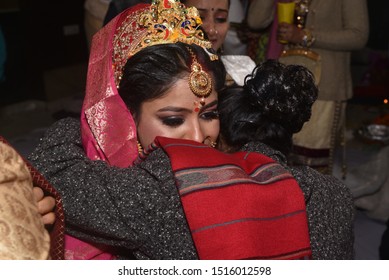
<point x="274" y="48"/>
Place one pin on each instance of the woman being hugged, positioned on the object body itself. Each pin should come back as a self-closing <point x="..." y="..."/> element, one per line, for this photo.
<point x="150" y="74"/>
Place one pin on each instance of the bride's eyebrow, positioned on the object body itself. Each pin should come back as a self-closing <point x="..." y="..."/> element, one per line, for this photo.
<point x="174" y="109"/>
<point x="209" y="105"/>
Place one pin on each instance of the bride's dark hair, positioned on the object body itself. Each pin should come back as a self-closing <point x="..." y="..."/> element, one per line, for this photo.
<point x="151" y="72"/>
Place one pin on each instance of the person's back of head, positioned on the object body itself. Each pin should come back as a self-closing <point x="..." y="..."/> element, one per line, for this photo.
<point x="274" y="103"/>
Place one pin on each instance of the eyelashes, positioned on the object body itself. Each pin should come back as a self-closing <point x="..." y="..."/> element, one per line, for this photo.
<point x="210" y="115"/>
<point x="176" y="121"/>
<point x="172" y="121"/>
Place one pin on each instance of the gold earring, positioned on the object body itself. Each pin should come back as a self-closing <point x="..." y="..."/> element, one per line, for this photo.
<point x="208" y="141"/>
<point x="140" y="148"/>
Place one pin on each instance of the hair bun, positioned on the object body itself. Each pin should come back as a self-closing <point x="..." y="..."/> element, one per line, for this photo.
<point x="284" y="94"/>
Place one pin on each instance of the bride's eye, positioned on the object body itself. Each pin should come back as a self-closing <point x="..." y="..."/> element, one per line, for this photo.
<point x="210" y="115"/>
<point x="172" y="121"/>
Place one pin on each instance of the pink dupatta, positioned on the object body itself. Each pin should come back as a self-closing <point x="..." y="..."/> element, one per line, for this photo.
<point x="107" y="127"/>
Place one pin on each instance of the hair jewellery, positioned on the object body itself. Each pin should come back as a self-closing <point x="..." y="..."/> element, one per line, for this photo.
<point x="200" y="82"/>
<point x="163" y="22"/>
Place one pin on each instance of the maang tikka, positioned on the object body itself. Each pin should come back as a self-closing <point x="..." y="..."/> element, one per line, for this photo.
<point x="200" y="82"/>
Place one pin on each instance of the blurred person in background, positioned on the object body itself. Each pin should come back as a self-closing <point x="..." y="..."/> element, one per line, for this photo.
<point x="332" y="29"/>
<point x="94" y="14"/>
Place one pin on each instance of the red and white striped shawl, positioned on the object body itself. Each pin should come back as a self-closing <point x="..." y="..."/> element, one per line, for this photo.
<point x="238" y="206"/>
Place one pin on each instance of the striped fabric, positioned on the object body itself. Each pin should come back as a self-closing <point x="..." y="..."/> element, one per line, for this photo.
<point x="238" y="206"/>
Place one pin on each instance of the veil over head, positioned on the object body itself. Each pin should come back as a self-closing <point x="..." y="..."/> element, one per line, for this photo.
<point x="107" y="127"/>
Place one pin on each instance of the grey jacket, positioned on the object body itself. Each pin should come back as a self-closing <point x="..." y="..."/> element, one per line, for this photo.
<point x="139" y="209"/>
<point x="329" y="204"/>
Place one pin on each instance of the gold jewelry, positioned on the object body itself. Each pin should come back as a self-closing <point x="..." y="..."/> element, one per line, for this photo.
<point x="308" y="38"/>
<point x="212" y="56"/>
<point x="163" y="22"/>
<point x="200" y="82"/>
<point x="140" y="148"/>
<point x="301" y="12"/>
<point x="210" y="143"/>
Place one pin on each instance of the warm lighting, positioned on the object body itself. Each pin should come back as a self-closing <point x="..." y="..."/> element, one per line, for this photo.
<point x="385" y="101"/>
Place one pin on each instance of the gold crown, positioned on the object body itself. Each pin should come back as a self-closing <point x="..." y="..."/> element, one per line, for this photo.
<point x="163" y="22"/>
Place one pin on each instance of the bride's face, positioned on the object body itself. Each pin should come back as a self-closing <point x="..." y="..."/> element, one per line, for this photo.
<point x="176" y="115"/>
